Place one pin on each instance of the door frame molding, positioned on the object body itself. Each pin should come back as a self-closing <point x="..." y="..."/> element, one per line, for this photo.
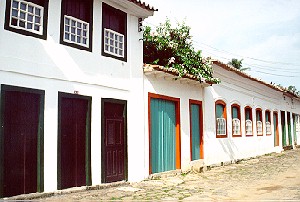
<point x="178" y="126"/>
<point x="40" y="136"/>
<point x="199" y="103"/>
<point x="88" y="172"/>
<point x="113" y="101"/>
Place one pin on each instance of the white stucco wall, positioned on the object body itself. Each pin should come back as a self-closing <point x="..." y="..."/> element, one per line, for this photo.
<point x="235" y="89"/>
<point x="52" y="67"/>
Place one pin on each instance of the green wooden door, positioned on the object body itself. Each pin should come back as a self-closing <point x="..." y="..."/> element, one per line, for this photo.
<point x="163" y="134"/>
<point x="283" y="128"/>
<point x="289" y="127"/>
<point x="275" y="125"/>
<point x="195" y="131"/>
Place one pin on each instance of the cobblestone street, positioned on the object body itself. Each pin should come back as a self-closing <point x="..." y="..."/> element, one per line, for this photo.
<point x="270" y="177"/>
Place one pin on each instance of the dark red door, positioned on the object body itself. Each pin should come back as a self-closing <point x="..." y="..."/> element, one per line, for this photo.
<point x="114" y="142"/>
<point x="21" y="120"/>
<point x="73" y="125"/>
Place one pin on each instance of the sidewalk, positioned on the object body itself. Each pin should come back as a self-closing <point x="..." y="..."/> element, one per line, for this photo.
<point x="269" y="177"/>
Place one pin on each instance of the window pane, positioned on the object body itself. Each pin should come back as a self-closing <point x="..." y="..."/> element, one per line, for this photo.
<point x="14" y="22"/>
<point x="14" y="13"/>
<point x="67" y="28"/>
<point x="23" y="6"/>
<point x="22" y="15"/>
<point x="37" y="28"/>
<point x="219" y="111"/>
<point x="73" y="38"/>
<point x="30" y="9"/>
<point x="29" y="25"/>
<point x="22" y="24"/>
<point x="38" y="11"/>
<point x="37" y="19"/>
<point x="67" y="21"/>
<point x="30" y="18"/>
<point x="15" y="4"/>
<point x="67" y="36"/>
<point x="235" y="112"/>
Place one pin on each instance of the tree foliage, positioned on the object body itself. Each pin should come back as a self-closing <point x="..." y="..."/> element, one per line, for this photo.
<point x="294" y="90"/>
<point x="236" y="63"/>
<point x="172" y="47"/>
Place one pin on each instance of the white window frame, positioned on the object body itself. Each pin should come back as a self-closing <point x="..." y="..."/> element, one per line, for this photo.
<point x="221" y="126"/>
<point x="259" y="127"/>
<point x="248" y="127"/>
<point x="24" y="16"/>
<point x="78" y="29"/>
<point x="113" y="43"/>
<point x="268" y="128"/>
<point x="236" y="126"/>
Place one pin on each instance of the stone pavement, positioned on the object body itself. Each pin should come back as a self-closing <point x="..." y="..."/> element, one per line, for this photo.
<point x="273" y="176"/>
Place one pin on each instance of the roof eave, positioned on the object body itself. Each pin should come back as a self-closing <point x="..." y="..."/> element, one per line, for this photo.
<point x="173" y="74"/>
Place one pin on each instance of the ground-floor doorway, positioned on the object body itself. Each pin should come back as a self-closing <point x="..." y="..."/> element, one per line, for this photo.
<point x="114" y="140"/>
<point x="21" y="140"/>
<point x="74" y="141"/>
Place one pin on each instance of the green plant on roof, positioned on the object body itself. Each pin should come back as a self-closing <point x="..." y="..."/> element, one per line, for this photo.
<point x="172" y="48"/>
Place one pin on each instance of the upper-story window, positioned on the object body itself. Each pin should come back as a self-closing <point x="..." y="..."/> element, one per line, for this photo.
<point x="114" y="39"/>
<point x="27" y="17"/>
<point x="268" y="122"/>
<point x="248" y="121"/>
<point x="236" y="120"/>
<point x="221" y="119"/>
<point x="76" y="23"/>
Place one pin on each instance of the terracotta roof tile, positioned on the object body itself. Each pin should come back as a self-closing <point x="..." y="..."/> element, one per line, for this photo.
<point x="143" y="5"/>
<point x="172" y="71"/>
<point x="243" y="74"/>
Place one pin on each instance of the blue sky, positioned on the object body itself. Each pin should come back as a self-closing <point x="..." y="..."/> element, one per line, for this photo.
<point x="264" y="33"/>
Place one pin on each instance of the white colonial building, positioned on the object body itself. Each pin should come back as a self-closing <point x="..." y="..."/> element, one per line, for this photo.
<point x="191" y="124"/>
<point x="71" y="93"/>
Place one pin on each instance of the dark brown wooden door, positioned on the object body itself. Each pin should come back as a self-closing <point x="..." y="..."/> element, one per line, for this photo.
<point x="73" y="142"/>
<point x="21" y="120"/>
<point x="114" y="142"/>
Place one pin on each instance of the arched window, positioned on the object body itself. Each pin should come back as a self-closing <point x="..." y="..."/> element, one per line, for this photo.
<point x="248" y="121"/>
<point x="236" y="120"/>
<point x="268" y="122"/>
<point x="259" y="123"/>
<point x="221" y="119"/>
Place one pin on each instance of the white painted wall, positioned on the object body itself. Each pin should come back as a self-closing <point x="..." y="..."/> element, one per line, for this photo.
<point x="52" y="67"/>
<point x="235" y="89"/>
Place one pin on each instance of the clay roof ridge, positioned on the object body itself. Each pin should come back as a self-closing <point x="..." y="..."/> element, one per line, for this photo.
<point x="143" y="5"/>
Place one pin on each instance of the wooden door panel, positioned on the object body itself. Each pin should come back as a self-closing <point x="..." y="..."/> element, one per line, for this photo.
<point x="20" y="143"/>
<point x="114" y="144"/>
<point x="73" y="142"/>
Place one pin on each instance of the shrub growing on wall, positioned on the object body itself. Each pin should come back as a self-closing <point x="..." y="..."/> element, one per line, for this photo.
<point x="172" y="48"/>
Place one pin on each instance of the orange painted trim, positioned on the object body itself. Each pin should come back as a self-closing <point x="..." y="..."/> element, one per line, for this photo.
<point x="199" y="103"/>
<point x="177" y="129"/>
<point x="251" y="118"/>
<point x="260" y="113"/>
<point x="269" y="113"/>
<point x="239" y="116"/>
<point x="221" y="102"/>
<point x="277" y="131"/>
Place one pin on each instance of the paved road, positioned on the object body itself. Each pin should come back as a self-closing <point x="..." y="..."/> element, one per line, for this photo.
<point x="270" y="177"/>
